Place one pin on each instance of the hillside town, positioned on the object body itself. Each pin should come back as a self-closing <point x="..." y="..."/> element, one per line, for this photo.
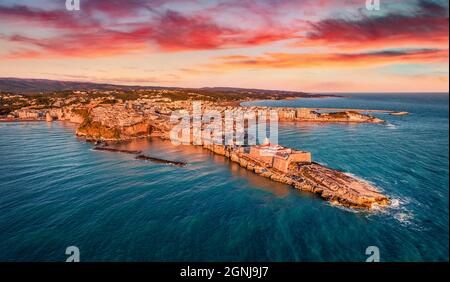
<point x="126" y="112"/>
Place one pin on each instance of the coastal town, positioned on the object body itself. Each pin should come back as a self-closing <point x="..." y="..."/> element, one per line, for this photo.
<point x="127" y="115"/>
<point x="112" y="116"/>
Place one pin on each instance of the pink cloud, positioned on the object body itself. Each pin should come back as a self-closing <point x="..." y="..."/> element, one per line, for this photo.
<point x="87" y="34"/>
<point x="427" y="26"/>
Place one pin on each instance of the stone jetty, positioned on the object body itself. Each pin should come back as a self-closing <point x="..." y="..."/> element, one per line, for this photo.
<point x="161" y="161"/>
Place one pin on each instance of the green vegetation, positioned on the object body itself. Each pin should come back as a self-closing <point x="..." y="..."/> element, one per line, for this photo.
<point x="338" y="115"/>
<point x="127" y="95"/>
<point x="110" y="101"/>
<point x="11" y="104"/>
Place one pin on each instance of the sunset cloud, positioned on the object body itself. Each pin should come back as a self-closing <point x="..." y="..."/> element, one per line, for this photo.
<point x="88" y="35"/>
<point x="426" y="26"/>
<point x="329" y="60"/>
<point x="223" y="41"/>
<point x="176" y="32"/>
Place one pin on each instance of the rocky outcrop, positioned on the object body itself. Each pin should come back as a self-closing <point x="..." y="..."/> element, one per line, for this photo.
<point x="336" y="186"/>
<point x="344" y="116"/>
<point x="97" y="131"/>
<point x="331" y="185"/>
<point x="48" y="117"/>
<point x="311" y="115"/>
<point x="399" y="113"/>
<point x="358" y="117"/>
<point x="99" y="124"/>
<point x="74" y="118"/>
<point x="136" y="130"/>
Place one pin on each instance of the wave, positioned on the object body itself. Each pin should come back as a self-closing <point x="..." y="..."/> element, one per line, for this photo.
<point x="398" y="211"/>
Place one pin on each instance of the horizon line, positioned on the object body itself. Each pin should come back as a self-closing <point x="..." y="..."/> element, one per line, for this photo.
<point x="255" y="88"/>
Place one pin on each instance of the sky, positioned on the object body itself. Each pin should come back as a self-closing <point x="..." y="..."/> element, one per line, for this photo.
<point x="305" y="45"/>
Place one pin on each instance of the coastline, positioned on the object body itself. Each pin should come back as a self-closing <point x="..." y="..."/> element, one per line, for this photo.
<point x="21" y="120"/>
<point x="96" y="123"/>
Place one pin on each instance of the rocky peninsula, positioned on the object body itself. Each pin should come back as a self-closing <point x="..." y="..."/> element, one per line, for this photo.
<point x="108" y="119"/>
<point x="303" y="174"/>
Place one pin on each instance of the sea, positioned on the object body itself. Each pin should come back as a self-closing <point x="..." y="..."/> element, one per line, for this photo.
<point x="56" y="192"/>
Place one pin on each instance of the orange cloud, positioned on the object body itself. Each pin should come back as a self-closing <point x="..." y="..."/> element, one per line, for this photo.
<point x="332" y="60"/>
<point x="168" y="31"/>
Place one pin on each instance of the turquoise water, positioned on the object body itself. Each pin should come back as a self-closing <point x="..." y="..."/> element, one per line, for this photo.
<point x="56" y="192"/>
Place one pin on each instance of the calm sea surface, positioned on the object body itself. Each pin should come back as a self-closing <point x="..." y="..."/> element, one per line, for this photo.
<point x="56" y="192"/>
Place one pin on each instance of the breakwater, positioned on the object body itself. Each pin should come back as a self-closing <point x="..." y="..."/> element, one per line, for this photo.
<point x="161" y="161"/>
<point x="108" y="149"/>
<point x="140" y="156"/>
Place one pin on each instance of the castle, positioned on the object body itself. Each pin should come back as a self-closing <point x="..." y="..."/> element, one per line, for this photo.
<point x="277" y="156"/>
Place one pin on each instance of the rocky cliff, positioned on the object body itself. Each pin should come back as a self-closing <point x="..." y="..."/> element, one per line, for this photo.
<point x="97" y="131"/>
